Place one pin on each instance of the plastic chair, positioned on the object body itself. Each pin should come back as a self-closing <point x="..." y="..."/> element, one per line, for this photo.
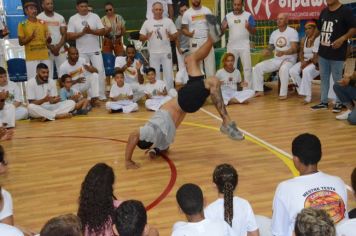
<point x="109" y="64"/>
<point x="16" y="69"/>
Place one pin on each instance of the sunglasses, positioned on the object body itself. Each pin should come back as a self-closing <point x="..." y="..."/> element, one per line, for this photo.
<point x="107" y="10"/>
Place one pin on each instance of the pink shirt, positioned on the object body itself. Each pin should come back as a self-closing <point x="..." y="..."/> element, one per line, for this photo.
<point x="108" y="228"/>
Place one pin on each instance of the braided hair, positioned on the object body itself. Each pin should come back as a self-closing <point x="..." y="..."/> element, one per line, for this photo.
<point x="226" y="178"/>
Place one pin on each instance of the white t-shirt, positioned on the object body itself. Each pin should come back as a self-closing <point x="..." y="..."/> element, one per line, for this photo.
<point x="239" y="37"/>
<point x="195" y="19"/>
<point x="75" y="71"/>
<point x="7" y="209"/>
<point x="117" y="91"/>
<point x="243" y="220"/>
<point x="308" y="52"/>
<point x="14" y="92"/>
<point x="346" y="228"/>
<point x="229" y="80"/>
<point x="165" y="3"/>
<point x="54" y="24"/>
<point x="9" y="230"/>
<point x="87" y="43"/>
<point x="206" y="227"/>
<point x="317" y="190"/>
<point x="152" y="89"/>
<point x="159" y="41"/>
<point x="131" y="74"/>
<point x="36" y="91"/>
<point x="282" y="42"/>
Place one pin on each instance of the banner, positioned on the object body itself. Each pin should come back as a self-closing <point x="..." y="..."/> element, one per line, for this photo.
<point x="296" y="9"/>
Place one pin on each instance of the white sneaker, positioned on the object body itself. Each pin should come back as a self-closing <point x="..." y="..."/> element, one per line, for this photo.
<point x="344" y="115"/>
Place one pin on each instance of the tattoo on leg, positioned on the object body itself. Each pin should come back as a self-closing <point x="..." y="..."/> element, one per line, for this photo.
<point x="218" y="101"/>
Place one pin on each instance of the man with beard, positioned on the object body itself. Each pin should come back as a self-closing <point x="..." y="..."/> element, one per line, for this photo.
<point x="43" y="98"/>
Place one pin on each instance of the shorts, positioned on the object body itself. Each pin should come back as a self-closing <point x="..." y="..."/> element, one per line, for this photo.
<point x="192" y="96"/>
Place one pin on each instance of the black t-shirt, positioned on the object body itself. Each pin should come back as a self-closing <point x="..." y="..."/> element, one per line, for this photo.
<point x="352" y="214"/>
<point x="332" y="25"/>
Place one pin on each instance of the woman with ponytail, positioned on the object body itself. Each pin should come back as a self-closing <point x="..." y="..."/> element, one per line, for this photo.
<point x="236" y="211"/>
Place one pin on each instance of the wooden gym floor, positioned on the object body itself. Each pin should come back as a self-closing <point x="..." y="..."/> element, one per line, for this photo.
<point x="48" y="161"/>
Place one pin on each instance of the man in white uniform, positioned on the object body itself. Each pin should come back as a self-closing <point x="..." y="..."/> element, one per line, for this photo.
<point x="132" y="69"/>
<point x="85" y="27"/>
<point x="57" y="28"/>
<point x="312" y="188"/>
<point x="159" y="32"/>
<point x="195" y="26"/>
<point x="43" y="98"/>
<point x="284" y="41"/>
<point x="85" y="77"/>
<point x="13" y="96"/>
<point x="168" y="11"/>
<point x="240" y="24"/>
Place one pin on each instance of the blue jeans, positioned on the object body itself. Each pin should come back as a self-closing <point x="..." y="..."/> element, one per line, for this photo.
<point x="327" y="68"/>
<point x="347" y="96"/>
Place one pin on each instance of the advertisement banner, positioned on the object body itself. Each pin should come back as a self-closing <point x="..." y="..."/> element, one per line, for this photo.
<point x="296" y="9"/>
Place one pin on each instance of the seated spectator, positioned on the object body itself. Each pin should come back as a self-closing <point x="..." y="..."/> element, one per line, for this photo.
<point x="231" y="84"/>
<point x="85" y="77"/>
<point x="155" y="90"/>
<point x="132" y="69"/>
<point x="97" y="201"/>
<point x="345" y="90"/>
<point x="6" y="209"/>
<point x="43" y="98"/>
<point x="10" y="230"/>
<point x="308" y="57"/>
<point x="14" y="95"/>
<point x="3" y="162"/>
<point x="7" y="111"/>
<point x="284" y="41"/>
<point x="121" y="96"/>
<point x="314" y="222"/>
<point x="82" y="106"/>
<point x="236" y="211"/>
<point x="68" y="225"/>
<point x="191" y="202"/>
<point x="114" y="30"/>
<point x="347" y="227"/>
<point x="130" y="219"/>
<point x="312" y="188"/>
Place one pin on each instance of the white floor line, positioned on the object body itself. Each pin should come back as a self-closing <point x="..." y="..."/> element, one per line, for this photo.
<point x="260" y="140"/>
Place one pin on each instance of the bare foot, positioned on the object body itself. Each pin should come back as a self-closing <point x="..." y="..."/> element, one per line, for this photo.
<point x="282" y="97"/>
<point x="259" y="94"/>
<point x="131" y="165"/>
<point x="64" y="116"/>
<point x="6" y="134"/>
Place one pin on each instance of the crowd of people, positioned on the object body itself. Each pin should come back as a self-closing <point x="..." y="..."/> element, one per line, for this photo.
<point x="317" y="206"/>
<point x="318" y="203"/>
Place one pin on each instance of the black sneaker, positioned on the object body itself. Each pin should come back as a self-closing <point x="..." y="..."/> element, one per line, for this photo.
<point x="214" y="27"/>
<point x="337" y="107"/>
<point x="321" y="106"/>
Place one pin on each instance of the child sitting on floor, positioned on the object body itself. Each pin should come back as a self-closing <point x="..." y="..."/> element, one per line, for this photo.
<point x="82" y="106"/>
<point x="121" y="96"/>
<point x="155" y="91"/>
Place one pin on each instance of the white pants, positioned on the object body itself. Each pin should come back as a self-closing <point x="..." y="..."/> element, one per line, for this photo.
<point x="269" y="66"/>
<point x="137" y="90"/>
<point x="208" y="64"/>
<point x="91" y="85"/>
<point x="49" y="111"/>
<point x="240" y="96"/>
<point x="31" y="68"/>
<point x="7" y="116"/>
<point x="96" y="59"/>
<point x="56" y="60"/>
<point x="127" y="106"/>
<point x="182" y="74"/>
<point x="156" y="102"/>
<point x="305" y="82"/>
<point x="164" y="59"/>
<point x="21" y="113"/>
<point x="245" y="55"/>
